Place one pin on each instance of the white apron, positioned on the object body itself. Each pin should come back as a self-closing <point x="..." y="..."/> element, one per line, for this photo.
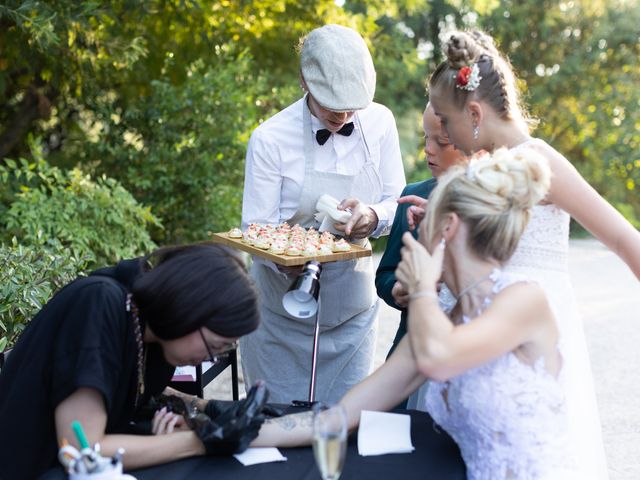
<point x="279" y="351"/>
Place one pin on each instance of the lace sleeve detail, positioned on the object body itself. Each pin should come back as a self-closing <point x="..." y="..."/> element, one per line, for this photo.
<point x="508" y="417"/>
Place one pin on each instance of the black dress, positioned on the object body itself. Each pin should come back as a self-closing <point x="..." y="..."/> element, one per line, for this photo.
<point x="83" y="337"/>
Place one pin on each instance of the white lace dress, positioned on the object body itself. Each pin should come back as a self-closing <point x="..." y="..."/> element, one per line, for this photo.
<point x="542" y="256"/>
<point x="509" y="418"/>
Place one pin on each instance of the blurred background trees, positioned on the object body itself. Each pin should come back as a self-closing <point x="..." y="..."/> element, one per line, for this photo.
<point x="131" y="118"/>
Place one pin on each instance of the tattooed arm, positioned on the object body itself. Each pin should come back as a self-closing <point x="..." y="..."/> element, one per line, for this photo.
<point x="288" y="431"/>
<point x="394" y="381"/>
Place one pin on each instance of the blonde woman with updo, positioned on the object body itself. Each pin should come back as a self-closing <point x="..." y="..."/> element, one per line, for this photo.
<point x="496" y="365"/>
<point x="474" y="93"/>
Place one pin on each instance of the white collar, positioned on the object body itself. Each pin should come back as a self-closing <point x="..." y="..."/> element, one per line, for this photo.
<point x="316" y="124"/>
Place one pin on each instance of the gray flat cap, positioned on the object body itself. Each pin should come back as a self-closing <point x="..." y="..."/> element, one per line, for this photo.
<point x="337" y="67"/>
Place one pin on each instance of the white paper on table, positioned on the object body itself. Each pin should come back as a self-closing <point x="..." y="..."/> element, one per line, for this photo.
<point x="253" y="456"/>
<point x="381" y="432"/>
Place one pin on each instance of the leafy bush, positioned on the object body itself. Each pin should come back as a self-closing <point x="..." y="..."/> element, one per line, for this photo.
<point x="28" y="278"/>
<point x="95" y="219"/>
<point x="181" y="149"/>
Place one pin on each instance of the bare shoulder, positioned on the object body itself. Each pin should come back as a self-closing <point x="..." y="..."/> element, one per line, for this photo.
<point x="523" y="299"/>
<point x="546" y="151"/>
<point x="569" y="190"/>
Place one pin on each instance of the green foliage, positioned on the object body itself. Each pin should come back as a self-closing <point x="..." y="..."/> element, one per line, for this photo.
<point x="580" y="64"/>
<point x="181" y="148"/>
<point x="28" y="278"/>
<point x="94" y="219"/>
<point x="82" y="73"/>
<point x="56" y="51"/>
<point x="61" y="55"/>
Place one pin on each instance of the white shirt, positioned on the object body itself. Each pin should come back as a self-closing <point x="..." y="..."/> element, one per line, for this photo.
<point x="275" y="163"/>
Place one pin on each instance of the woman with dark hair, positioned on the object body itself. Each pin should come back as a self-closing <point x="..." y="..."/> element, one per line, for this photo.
<point x="106" y="344"/>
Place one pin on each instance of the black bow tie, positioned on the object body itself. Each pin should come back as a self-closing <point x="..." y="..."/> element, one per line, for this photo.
<point x="323" y="134"/>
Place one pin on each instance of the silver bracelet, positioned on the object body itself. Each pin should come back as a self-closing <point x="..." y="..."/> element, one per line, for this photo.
<point x="194" y="404"/>
<point x="423" y="293"/>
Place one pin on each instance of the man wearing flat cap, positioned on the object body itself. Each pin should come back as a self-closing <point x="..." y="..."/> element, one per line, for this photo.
<point x="333" y="141"/>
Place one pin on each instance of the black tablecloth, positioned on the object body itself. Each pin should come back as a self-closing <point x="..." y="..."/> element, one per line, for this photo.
<point x="435" y="456"/>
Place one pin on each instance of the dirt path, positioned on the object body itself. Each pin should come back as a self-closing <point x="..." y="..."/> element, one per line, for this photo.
<point x="609" y="296"/>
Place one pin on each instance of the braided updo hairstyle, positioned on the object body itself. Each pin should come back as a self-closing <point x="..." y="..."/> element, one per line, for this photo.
<point x="493" y="195"/>
<point x="498" y="84"/>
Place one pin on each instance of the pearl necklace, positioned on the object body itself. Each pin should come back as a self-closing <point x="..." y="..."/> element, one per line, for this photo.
<point x="140" y="350"/>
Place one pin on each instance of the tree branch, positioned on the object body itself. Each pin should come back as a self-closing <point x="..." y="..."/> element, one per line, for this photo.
<point x="34" y="106"/>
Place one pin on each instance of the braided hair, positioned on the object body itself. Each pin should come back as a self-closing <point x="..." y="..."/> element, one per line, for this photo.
<point x="498" y="85"/>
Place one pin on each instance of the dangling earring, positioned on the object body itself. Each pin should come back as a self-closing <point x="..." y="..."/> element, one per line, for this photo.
<point x="476" y="132"/>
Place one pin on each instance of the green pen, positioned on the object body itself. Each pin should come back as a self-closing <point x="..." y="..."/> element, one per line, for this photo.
<point x="82" y="439"/>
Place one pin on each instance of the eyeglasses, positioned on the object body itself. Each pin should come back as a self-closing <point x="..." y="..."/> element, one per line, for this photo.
<point x="223" y="353"/>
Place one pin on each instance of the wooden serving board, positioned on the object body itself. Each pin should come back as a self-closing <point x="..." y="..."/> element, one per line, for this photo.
<point x="286" y="260"/>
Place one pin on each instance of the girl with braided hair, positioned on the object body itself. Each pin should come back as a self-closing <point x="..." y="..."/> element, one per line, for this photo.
<point x="474" y="93"/>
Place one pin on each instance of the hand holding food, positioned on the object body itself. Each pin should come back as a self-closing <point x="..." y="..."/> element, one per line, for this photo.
<point x="363" y="219"/>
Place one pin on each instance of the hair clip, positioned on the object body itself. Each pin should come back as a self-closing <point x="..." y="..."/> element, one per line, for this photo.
<point x="468" y="78"/>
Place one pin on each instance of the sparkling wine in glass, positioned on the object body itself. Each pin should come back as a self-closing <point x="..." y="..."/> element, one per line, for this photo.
<point x="330" y="441"/>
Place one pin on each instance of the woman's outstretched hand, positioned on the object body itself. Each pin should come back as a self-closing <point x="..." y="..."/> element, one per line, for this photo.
<point x="415" y="213"/>
<point x="419" y="270"/>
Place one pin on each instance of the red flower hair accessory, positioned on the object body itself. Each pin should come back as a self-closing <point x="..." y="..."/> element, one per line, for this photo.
<point x="468" y="78"/>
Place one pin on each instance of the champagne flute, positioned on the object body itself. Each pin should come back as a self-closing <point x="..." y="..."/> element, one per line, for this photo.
<point x="330" y="441"/>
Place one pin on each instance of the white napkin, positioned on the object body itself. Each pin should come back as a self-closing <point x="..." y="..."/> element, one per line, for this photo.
<point x="320" y="216"/>
<point x="253" y="456"/>
<point x="381" y="432"/>
<point x="326" y="225"/>
<point x="329" y="205"/>
<point x="328" y="214"/>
